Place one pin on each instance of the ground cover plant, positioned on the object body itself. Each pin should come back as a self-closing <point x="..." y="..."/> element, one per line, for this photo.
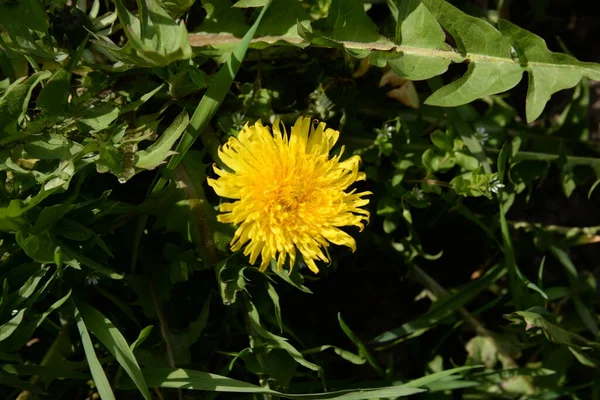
<point x="315" y="199"/>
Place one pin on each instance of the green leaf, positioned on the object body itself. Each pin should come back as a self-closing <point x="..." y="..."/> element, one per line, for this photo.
<point x="8" y="328"/>
<point x="345" y="354"/>
<point x="231" y="281"/>
<point x="349" y="22"/>
<point x="26" y="329"/>
<point x="211" y="100"/>
<point x="443" y="307"/>
<point x="155" y="38"/>
<point x="436" y="377"/>
<point x="14" y="102"/>
<point x="39" y="247"/>
<point x="158" y="152"/>
<point x="281" y="20"/>
<point x="250" y="3"/>
<point x="421" y="43"/>
<point x="54" y="97"/>
<point x="584" y="312"/>
<point x="25" y="291"/>
<point x="113" y="340"/>
<point x="96" y="369"/>
<point x="221" y="18"/>
<point x="196" y="380"/>
<point x="554" y="333"/>
<point x="71" y="253"/>
<point x="548" y="72"/>
<point x="491" y="67"/>
<point x="278" y="341"/>
<point x="97" y="118"/>
<point x="12" y="381"/>
<point x="363" y="351"/>
<point x="11" y="216"/>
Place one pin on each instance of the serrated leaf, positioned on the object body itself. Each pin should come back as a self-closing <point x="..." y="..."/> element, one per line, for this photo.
<point x="420" y="39"/>
<point x="548" y="72"/>
<point x="491" y="68"/>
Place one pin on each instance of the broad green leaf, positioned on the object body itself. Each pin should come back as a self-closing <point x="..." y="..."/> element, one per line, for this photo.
<point x="196" y="380"/>
<point x="349" y="22"/>
<point x="27" y="328"/>
<point x="14" y="102"/>
<point x="25" y="22"/>
<point x="100" y="379"/>
<point x="11" y="216"/>
<point x="49" y="216"/>
<point x="155" y="37"/>
<point x="222" y="18"/>
<point x="422" y="49"/>
<point x="28" y="288"/>
<point x="54" y="97"/>
<point x="144" y="333"/>
<point x="158" y="152"/>
<point x="444" y="307"/>
<point x="113" y="340"/>
<point x="281" y="20"/>
<point x="548" y="72"/>
<point x="553" y="332"/>
<point x="9" y="327"/>
<point x="97" y="118"/>
<point x="39" y="247"/>
<point x="491" y="67"/>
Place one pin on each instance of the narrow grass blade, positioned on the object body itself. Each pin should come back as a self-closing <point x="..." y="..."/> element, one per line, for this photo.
<point x="211" y="100"/>
<point x="100" y="379"/>
<point x="444" y="307"/>
<point x="195" y="380"/>
<point x="116" y="344"/>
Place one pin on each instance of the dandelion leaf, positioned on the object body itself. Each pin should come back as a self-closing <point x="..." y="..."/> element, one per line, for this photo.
<point x="548" y="72"/>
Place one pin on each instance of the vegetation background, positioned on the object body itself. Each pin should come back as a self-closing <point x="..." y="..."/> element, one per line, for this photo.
<point x="478" y="274"/>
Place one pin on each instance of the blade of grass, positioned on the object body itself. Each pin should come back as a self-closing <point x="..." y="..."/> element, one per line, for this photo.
<point x="444" y="307"/>
<point x="100" y="379"/>
<point x="211" y="101"/>
<point x="116" y="344"/>
<point x="584" y="313"/>
<point x="196" y="380"/>
<point x="207" y="108"/>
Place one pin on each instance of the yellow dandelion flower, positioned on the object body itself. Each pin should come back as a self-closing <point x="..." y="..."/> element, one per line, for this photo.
<point x="290" y="195"/>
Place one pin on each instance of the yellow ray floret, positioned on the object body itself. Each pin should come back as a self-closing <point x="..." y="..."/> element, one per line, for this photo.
<point x="290" y="196"/>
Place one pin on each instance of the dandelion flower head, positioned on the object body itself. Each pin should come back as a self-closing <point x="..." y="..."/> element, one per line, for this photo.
<point x="289" y="195"/>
